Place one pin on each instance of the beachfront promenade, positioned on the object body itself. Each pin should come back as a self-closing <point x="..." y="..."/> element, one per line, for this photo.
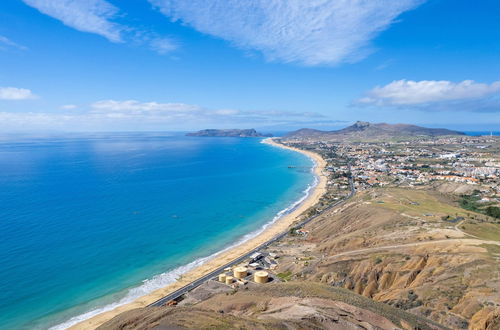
<point x="179" y="292"/>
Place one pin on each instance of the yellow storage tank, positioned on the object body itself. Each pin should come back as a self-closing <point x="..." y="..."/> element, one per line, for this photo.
<point x="261" y="277"/>
<point x="240" y="272"/>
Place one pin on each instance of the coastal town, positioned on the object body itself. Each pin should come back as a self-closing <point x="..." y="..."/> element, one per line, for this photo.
<point x="467" y="161"/>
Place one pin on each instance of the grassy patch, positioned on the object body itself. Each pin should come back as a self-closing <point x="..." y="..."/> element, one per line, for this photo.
<point x="417" y="203"/>
<point x="286" y="276"/>
<point x="493" y="250"/>
<point x="489" y="231"/>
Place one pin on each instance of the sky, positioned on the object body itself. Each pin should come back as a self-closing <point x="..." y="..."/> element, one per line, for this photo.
<point x="176" y="65"/>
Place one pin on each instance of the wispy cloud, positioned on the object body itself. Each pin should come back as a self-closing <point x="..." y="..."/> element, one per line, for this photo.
<point x="136" y="107"/>
<point x="311" y="32"/>
<point x="14" y="93"/>
<point x="101" y="17"/>
<point x="163" y="45"/>
<point x="467" y="95"/>
<point x="7" y="43"/>
<point x="94" y="16"/>
<point x="136" y="115"/>
<point x="183" y="110"/>
<point x="68" y="106"/>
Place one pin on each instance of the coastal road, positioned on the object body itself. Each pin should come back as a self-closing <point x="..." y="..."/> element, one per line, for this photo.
<point x="181" y="291"/>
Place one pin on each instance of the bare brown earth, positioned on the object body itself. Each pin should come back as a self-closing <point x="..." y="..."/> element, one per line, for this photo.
<point x="392" y="245"/>
<point x="275" y="306"/>
<point x="386" y="259"/>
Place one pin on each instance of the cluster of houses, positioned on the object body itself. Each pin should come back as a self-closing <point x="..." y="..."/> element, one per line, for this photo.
<point x="466" y="160"/>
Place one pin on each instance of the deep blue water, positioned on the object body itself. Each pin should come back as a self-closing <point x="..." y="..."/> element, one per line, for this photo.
<point x="85" y="219"/>
<point x="479" y="133"/>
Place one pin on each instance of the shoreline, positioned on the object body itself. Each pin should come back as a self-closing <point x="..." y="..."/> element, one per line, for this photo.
<point x="268" y="231"/>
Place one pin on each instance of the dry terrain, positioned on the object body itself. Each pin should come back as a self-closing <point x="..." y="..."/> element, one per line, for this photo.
<point x="275" y="306"/>
<point x="394" y="246"/>
<point x="389" y="258"/>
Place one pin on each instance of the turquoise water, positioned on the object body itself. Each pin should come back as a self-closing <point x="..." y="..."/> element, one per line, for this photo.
<point x="89" y="221"/>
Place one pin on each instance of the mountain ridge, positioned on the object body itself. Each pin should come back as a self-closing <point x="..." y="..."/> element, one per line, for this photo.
<point x="367" y="130"/>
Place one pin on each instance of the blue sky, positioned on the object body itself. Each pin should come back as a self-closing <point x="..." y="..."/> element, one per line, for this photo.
<point x="99" y="65"/>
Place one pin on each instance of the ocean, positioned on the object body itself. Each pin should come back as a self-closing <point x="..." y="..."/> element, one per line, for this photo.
<point x="482" y="133"/>
<point x="91" y="221"/>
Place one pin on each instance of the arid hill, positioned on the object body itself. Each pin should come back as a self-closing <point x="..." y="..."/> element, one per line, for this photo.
<point x="365" y="131"/>
<point x="394" y="246"/>
<point x="275" y="306"/>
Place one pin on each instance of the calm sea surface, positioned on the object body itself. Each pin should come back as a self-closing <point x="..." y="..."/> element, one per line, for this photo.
<point x="89" y="221"/>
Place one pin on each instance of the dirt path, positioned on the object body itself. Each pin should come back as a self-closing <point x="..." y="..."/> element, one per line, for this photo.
<point x="465" y="241"/>
<point x="463" y="232"/>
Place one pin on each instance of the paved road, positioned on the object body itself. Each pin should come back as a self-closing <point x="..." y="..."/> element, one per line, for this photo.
<point x="176" y="294"/>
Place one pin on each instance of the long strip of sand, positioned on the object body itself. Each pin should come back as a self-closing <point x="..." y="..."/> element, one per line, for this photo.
<point x="223" y="258"/>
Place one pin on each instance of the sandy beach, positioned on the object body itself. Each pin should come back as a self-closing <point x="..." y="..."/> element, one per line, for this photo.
<point x="279" y="226"/>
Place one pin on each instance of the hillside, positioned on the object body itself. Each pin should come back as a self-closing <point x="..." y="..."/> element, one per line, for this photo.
<point x="275" y="306"/>
<point x="393" y="246"/>
<point x="362" y="131"/>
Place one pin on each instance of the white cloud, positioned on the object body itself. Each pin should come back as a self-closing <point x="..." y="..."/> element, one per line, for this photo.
<point x="100" y="17"/>
<point x="163" y="45"/>
<point x="135" y="115"/>
<point x="311" y="32"/>
<point x="68" y="106"/>
<point x="7" y="43"/>
<point x="227" y="112"/>
<point x="13" y="93"/>
<point x="435" y="94"/>
<point x="409" y="92"/>
<point x="94" y="16"/>
<point x="133" y="106"/>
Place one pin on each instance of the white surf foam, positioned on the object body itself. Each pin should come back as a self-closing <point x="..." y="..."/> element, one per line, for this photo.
<point x="167" y="278"/>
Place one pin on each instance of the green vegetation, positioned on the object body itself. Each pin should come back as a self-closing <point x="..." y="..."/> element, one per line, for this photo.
<point x="286" y="276"/>
<point x="493" y="211"/>
<point x="471" y="202"/>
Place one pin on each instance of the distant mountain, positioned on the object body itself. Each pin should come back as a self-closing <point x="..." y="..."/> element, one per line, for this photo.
<point x="228" y="133"/>
<point x="361" y="131"/>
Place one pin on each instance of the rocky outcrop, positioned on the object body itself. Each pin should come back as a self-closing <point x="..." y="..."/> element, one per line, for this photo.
<point x="228" y="133"/>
